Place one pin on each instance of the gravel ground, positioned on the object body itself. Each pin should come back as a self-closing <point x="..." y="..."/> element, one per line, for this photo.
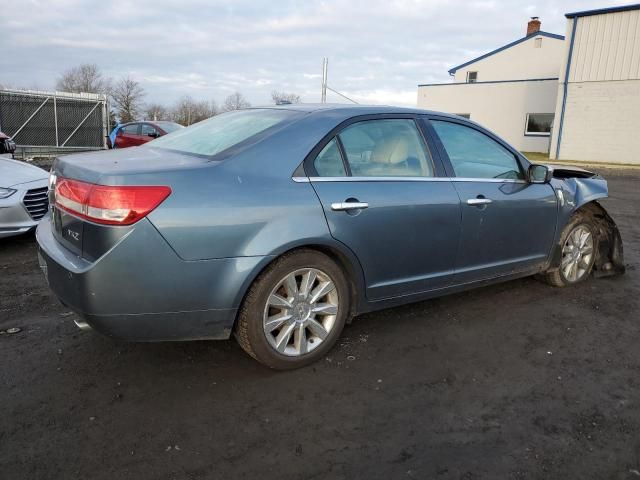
<point x="518" y="380"/>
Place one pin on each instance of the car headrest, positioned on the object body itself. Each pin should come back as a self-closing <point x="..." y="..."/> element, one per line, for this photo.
<point x="394" y="150"/>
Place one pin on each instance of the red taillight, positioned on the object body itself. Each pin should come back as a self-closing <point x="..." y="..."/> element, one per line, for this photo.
<point x="106" y="204"/>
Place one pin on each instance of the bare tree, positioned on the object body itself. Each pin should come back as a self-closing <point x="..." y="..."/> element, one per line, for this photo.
<point x="283" y="98"/>
<point x="213" y="108"/>
<point x="84" y="78"/>
<point x="187" y="111"/>
<point x="155" y="111"/>
<point x="235" y="101"/>
<point x="127" y="98"/>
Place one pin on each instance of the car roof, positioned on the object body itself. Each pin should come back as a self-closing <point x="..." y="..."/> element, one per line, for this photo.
<point x="351" y="109"/>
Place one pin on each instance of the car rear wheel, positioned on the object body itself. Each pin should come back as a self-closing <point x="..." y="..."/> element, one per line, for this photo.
<point x="295" y="310"/>
<point x="579" y="246"/>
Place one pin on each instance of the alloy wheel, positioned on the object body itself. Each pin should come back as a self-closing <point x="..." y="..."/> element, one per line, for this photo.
<point x="300" y="312"/>
<point x="577" y="254"/>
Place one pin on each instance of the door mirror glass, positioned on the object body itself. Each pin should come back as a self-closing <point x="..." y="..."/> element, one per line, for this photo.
<point x="540" y="174"/>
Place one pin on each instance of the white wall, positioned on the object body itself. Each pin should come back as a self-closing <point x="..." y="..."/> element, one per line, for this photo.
<point x="601" y="122"/>
<point x="606" y="47"/>
<point x="500" y="107"/>
<point x="602" y="112"/>
<point x="522" y="61"/>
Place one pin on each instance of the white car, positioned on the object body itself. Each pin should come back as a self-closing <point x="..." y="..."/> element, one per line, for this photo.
<point x="23" y="196"/>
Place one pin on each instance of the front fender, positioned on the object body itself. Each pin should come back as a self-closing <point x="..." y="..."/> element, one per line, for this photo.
<point x="582" y="194"/>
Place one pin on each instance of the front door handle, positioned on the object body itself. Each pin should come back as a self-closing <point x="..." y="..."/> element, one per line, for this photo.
<point x="343" y="206"/>
<point x="478" y="201"/>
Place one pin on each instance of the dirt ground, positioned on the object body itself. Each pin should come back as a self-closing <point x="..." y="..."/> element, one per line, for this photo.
<point x="518" y="380"/>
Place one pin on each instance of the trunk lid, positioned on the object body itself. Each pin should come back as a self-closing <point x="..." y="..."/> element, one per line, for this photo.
<point x="131" y="166"/>
<point x="121" y="166"/>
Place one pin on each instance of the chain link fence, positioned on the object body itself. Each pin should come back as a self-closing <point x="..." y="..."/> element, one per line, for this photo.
<point x="51" y="123"/>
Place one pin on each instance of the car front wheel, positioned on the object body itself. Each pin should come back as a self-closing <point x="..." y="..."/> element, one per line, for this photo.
<point x="579" y="244"/>
<point x="295" y="310"/>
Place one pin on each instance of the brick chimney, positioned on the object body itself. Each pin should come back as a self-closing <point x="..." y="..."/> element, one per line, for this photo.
<point x="533" y="26"/>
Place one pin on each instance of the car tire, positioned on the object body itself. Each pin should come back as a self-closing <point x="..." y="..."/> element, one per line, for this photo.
<point x="578" y="245"/>
<point x="280" y="291"/>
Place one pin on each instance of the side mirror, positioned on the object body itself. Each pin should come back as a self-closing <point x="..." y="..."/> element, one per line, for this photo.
<point x="153" y="134"/>
<point x="539" y="174"/>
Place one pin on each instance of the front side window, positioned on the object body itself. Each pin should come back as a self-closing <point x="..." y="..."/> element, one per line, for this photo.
<point x="386" y="148"/>
<point x="329" y="163"/>
<point x="148" y="130"/>
<point x="221" y="132"/>
<point x="539" y="124"/>
<point x="475" y="155"/>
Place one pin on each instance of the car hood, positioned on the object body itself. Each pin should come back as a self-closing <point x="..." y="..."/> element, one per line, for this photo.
<point x="15" y="172"/>
<point x="569" y="171"/>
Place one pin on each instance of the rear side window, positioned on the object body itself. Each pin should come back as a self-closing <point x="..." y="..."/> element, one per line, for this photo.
<point x="328" y="163"/>
<point x="475" y="155"/>
<point x="133" y="129"/>
<point x="221" y="132"/>
<point x="386" y="148"/>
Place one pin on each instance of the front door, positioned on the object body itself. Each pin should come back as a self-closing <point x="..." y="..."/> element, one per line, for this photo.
<point x="382" y="199"/>
<point x="508" y="224"/>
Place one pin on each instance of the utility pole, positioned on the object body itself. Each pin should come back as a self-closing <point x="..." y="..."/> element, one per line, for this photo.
<point x="325" y="87"/>
<point x="325" y="67"/>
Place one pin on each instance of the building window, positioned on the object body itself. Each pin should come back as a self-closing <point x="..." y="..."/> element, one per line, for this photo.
<point x="464" y="115"/>
<point x="537" y="43"/>
<point x="472" y="77"/>
<point x="539" y="124"/>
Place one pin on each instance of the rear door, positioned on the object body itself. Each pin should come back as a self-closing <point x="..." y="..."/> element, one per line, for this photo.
<point x="129" y="136"/>
<point x="385" y="198"/>
<point x="508" y="224"/>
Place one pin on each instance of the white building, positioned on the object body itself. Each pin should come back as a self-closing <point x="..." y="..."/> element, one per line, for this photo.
<point x="511" y="90"/>
<point x="598" y="100"/>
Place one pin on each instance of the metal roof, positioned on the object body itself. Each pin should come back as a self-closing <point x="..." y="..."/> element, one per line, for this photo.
<point x="602" y="11"/>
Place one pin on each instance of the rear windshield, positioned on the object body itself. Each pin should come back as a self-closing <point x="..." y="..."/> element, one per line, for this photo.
<point x="218" y="133"/>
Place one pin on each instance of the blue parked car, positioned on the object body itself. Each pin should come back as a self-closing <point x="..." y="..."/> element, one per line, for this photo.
<point x="280" y="224"/>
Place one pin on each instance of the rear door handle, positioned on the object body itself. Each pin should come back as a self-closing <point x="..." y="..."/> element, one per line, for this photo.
<point x="343" y="206"/>
<point x="478" y="201"/>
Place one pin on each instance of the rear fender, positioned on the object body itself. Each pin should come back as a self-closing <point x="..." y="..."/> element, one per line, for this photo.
<point x="339" y="252"/>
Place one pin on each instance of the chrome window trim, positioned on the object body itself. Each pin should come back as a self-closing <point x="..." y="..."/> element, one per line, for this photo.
<point x="404" y="179"/>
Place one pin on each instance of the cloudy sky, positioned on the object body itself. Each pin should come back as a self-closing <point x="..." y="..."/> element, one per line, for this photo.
<point x="378" y="50"/>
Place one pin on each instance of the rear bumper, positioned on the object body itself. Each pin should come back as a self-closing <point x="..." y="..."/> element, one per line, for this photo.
<point x="140" y="290"/>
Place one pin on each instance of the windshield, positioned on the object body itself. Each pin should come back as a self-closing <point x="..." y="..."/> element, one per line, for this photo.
<point x="218" y="133"/>
<point x="169" y="126"/>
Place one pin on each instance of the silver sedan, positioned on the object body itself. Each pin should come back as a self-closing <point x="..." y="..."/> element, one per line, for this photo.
<point x="23" y="196"/>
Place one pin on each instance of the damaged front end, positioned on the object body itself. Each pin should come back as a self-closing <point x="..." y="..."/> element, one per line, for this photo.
<point x="578" y="190"/>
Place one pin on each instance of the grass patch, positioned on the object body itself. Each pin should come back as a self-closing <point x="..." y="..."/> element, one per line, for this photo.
<point x="536" y="156"/>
